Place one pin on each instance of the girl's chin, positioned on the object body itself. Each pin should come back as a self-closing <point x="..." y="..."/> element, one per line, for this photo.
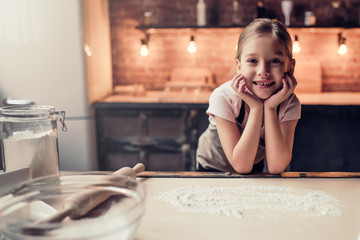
<point x="263" y="95"/>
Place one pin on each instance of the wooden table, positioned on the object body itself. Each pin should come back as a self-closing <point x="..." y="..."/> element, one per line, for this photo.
<point x="164" y="221"/>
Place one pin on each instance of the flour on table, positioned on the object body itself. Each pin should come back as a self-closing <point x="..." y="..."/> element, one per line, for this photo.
<point x="236" y="201"/>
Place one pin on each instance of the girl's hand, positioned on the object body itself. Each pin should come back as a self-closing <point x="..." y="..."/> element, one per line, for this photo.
<point x="289" y="85"/>
<point x="238" y="85"/>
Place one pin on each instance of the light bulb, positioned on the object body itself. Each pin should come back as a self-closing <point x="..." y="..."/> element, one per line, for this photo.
<point x="192" y="45"/>
<point x="87" y="50"/>
<point x="342" y="49"/>
<point x="296" y="46"/>
<point x="144" y="50"/>
<point x="342" y="45"/>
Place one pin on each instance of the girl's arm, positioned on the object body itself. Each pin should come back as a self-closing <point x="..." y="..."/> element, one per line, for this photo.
<point x="241" y="149"/>
<point x="279" y="137"/>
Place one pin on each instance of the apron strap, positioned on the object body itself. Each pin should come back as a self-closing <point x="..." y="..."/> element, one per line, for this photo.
<point x="241" y="116"/>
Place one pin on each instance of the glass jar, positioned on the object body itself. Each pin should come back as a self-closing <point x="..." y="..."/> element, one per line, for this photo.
<point x="149" y="19"/>
<point x="309" y="19"/>
<point x="29" y="138"/>
<point x="26" y="208"/>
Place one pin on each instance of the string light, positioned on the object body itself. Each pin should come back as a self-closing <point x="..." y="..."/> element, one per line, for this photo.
<point x="342" y="45"/>
<point x="296" y="45"/>
<point x="343" y="48"/>
<point x="192" y="45"/>
<point x="143" y="49"/>
<point x="87" y="50"/>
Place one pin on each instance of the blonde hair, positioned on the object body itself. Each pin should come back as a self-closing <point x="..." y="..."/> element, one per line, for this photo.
<point x="265" y="26"/>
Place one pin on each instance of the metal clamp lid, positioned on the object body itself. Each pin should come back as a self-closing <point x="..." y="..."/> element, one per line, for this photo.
<point x="62" y="120"/>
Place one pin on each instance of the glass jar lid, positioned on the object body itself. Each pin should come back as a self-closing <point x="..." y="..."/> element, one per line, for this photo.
<point x="26" y="112"/>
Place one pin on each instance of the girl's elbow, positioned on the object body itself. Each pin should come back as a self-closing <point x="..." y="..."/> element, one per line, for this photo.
<point x="243" y="169"/>
<point x="273" y="169"/>
<point x="279" y="166"/>
<point x="276" y="170"/>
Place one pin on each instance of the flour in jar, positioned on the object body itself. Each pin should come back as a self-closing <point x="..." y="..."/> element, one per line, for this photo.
<point x="241" y="200"/>
<point x="39" y="151"/>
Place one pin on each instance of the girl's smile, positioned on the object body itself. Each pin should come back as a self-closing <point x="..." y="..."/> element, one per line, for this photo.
<point x="264" y="84"/>
<point x="263" y="63"/>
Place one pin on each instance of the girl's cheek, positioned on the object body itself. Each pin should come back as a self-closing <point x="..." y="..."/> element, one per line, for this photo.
<point x="279" y="73"/>
<point x="248" y="85"/>
<point x="248" y="80"/>
<point x="279" y="85"/>
<point x="244" y="71"/>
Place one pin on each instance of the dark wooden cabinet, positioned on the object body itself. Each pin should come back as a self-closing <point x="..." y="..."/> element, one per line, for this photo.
<point x="327" y="138"/>
<point x="164" y="136"/>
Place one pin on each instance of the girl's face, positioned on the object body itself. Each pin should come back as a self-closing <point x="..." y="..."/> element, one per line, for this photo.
<point x="263" y="63"/>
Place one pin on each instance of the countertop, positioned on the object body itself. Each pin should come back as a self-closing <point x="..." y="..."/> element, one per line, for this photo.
<point x="198" y="97"/>
<point x="163" y="220"/>
<point x="276" y="207"/>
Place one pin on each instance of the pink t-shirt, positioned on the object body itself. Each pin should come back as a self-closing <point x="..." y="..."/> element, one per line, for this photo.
<point x="225" y="103"/>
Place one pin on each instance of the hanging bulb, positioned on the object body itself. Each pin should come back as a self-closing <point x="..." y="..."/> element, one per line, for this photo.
<point x="87" y="50"/>
<point x="342" y="45"/>
<point x="144" y="50"/>
<point x="296" y="45"/>
<point x="192" y="45"/>
<point x="342" y="48"/>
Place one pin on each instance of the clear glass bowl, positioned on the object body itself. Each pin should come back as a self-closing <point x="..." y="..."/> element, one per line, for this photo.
<point x="24" y="208"/>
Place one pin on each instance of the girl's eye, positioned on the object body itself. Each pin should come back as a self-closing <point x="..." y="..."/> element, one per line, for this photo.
<point x="252" y="60"/>
<point x="275" y="61"/>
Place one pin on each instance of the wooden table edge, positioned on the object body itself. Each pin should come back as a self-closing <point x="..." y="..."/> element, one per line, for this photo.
<point x="196" y="174"/>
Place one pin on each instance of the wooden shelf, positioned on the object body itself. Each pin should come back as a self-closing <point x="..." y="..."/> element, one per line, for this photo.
<point x="143" y="27"/>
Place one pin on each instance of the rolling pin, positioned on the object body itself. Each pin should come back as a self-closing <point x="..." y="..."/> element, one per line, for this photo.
<point x="131" y="172"/>
<point x="79" y="204"/>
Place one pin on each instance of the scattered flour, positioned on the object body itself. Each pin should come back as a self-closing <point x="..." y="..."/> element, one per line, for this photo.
<point x="236" y="201"/>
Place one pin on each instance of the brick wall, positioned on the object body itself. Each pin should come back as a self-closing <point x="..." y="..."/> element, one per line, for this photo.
<point x="216" y="46"/>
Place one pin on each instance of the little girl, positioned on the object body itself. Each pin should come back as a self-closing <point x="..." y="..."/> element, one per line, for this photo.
<point x="254" y="115"/>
